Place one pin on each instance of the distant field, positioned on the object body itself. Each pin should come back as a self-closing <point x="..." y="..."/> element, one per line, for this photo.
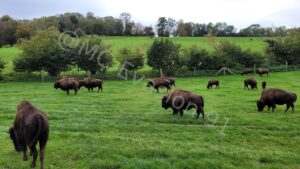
<point x="143" y="43"/>
<point x="125" y="127"/>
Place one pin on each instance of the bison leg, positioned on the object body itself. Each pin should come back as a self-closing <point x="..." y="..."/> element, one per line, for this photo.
<point x="157" y="89"/>
<point x="42" y="151"/>
<point x="75" y="91"/>
<point x="25" y="157"/>
<point x="34" y="154"/>
<point x="181" y="113"/>
<point x="292" y="105"/>
<point x="68" y="92"/>
<point x="174" y="112"/>
<point x="287" y="107"/>
<point x="92" y="89"/>
<point x="273" y="107"/>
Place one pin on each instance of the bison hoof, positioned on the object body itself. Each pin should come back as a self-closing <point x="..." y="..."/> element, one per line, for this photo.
<point x="32" y="165"/>
<point x="25" y="158"/>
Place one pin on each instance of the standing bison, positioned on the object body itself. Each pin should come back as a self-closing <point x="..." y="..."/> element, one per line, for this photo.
<point x="250" y="82"/>
<point x="67" y="84"/>
<point x="247" y="71"/>
<point x="180" y="100"/>
<point x="213" y="82"/>
<point x="91" y="83"/>
<point x="159" y="83"/>
<point x="171" y="80"/>
<point x="273" y="97"/>
<point x="30" y="127"/>
<point x="262" y="71"/>
<point x="264" y="85"/>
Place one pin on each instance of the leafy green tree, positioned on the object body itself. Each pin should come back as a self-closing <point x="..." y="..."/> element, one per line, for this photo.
<point x="7" y="31"/>
<point x="23" y="31"/>
<point x="93" y="55"/>
<point x="2" y="64"/>
<point x="195" y="57"/>
<point x="164" y="55"/>
<point x="162" y="27"/>
<point x="135" y="59"/>
<point x="43" y="52"/>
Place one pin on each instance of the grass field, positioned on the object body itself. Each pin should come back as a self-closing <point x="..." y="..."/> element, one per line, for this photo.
<point x="143" y="43"/>
<point x="125" y="127"/>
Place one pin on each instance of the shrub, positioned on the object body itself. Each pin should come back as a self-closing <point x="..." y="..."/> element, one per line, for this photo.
<point x="135" y="58"/>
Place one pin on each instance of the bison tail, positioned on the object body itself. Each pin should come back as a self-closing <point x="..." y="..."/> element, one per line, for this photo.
<point x="35" y="139"/>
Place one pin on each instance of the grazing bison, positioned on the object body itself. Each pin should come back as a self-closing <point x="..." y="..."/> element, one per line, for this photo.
<point x="91" y="83"/>
<point x="213" y="82"/>
<point x="264" y="85"/>
<point x="171" y="80"/>
<point x="250" y="82"/>
<point x="67" y="84"/>
<point x="180" y="100"/>
<point x="247" y="71"/>
<point x="30" y="127"/>
<point x="271" y="97"/>
<point x="262" y="71"/>
<point x="159" y="83"/>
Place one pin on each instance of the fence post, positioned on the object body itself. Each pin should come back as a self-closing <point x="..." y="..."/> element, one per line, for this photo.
<point x="254" y="68"/>
<point x="286" y="65"/>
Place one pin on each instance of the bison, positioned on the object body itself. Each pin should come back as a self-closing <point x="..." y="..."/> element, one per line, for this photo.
<point x="171" y="80"/>
<point x="180" y="100"/>
<point x="272" y="97"/>
<point x="159" y="83"/>
<point x="213" y="82"/>
<point x="247" y="71"/>
<point x="250" y="82"/>
<point x="264" y="85"/>
<point x="262" y="71"/>
<point x="67" y="84"/>
<point x="30" y="127"/>
<point x="91" y="83"/>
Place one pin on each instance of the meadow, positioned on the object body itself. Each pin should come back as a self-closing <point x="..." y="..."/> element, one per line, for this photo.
<point x="143" y="43"/>
<point x="125" y="126"/>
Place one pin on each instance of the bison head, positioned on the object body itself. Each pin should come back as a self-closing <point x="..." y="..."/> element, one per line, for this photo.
<point x="165" y="103"/>
<point x="150" y="83"/>
<point x="260" y="105"/>
<point x="56" y="85"/>
<point x="13" y="137"/>
<point x="81" y="83"/>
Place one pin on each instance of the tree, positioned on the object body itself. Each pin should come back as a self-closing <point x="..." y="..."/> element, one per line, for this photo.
<point x="126" y="19"/>
<point x="2" y="66"/>
<point x="148" y="31"/>
<point x="42" y="52"/>
<point x="131" y="60"/>
<point x="93" y="55"/>
<point x="7" y="31"/>
<point x="195" y="57"/>
<point x="23" y="31"/>
<point x="162" y="27"/>
<point x="164" y="55"/>
<point x="170" y="27"/>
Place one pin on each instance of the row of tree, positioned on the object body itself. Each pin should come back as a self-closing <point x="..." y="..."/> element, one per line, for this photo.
<point x="11" y="30"/>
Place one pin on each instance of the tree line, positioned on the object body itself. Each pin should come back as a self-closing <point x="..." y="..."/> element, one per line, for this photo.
<point x="12" y="30"/>
<point x="90" y="53"/>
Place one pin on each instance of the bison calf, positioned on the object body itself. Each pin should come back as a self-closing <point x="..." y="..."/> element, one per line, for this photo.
<point x="273" y="97"/>
<point x="213" y="82"/>
<point x="250" y="82"/>
<point x="30" y="127"/>
<point x="91" y="83"/>
<point x="180" y="100"/>
<point x="159" y="83"/>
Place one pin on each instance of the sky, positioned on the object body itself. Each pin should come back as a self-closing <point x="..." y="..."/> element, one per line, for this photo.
<point x="240" y="13"/>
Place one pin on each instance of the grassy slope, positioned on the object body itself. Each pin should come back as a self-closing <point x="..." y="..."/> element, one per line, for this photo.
<point x="125" y="127"/>
<point x="8" y="55"/>
<point x="143" y="43"/>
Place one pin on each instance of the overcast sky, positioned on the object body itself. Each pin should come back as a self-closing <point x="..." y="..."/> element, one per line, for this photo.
<point x="240" y="13"/>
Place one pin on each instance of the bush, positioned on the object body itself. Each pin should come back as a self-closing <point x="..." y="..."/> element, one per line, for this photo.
<point x="164" y="55"/>
<point x="195" y="57"/>
<point x="134" y="58"/>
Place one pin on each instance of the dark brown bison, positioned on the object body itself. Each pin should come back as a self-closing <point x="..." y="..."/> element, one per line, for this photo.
<point x="159" y="83"/>
<point x="91" y="83"/>
<point x="273" y="97"/>
<point x="250" y="82"/>
<point x="30" y="127"/>
<point x="262" y="71"/>
<point x="180" y="100"/>
<point x="171" y="80"/>
<point x="67" y="84"/>
<point x="264" y="85"/>
<point x="213" y="82"/>
<point x="247" y="71"/>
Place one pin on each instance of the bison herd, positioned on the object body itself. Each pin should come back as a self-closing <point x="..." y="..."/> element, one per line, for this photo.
<point x="31" y="125"/>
